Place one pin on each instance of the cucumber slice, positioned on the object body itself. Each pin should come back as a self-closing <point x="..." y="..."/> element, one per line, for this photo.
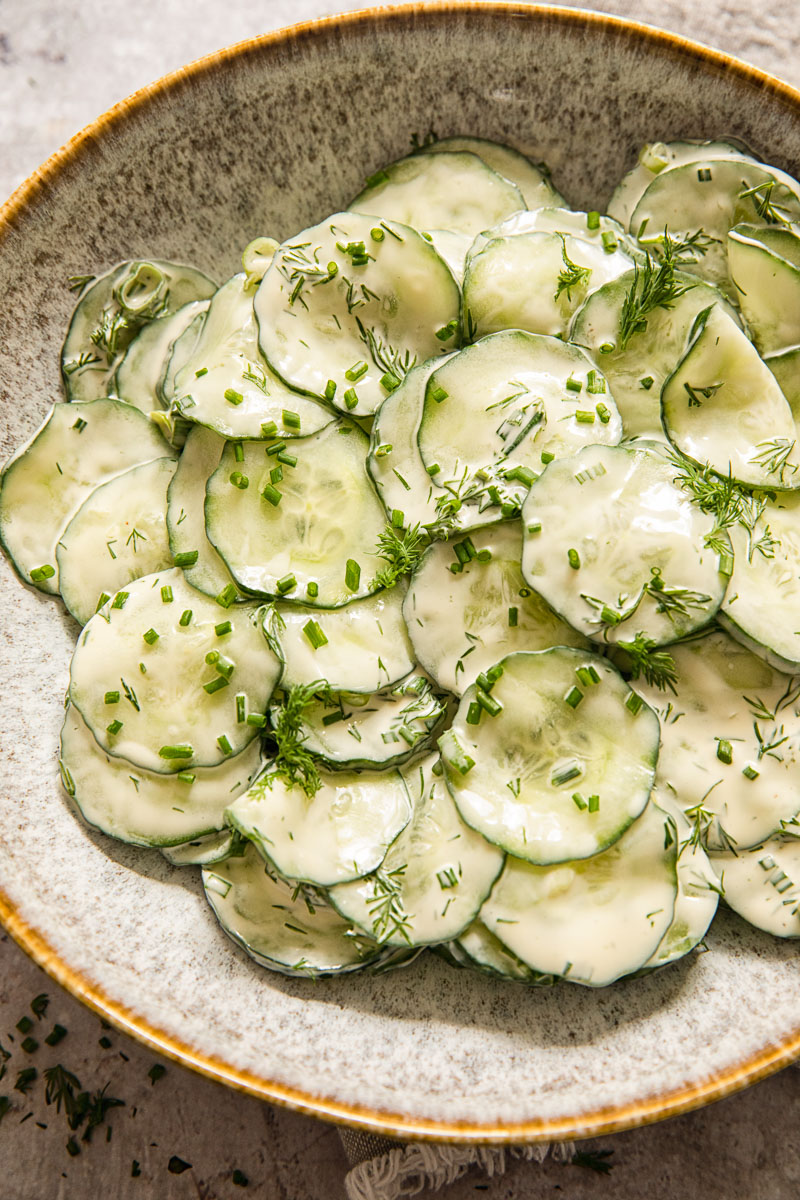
<point x="186" y="526"/>
<point x="137" y="378"/>
<point x="117" y="535"/>
<point x="637" y="373"/>
<point x="698" y="890"/>
<point x="496" y="410"/>
<point x="45" y="482"/>
<point x="434" y="878"/>
<point x="486" y="952"/>
<point x="452" y="247"/>
<point x="730" y="742"/>
<point x="279" y="926"/>
<point x="763" y="884"/>
<point x="207" y="850"/>
<point x="341" y="833"/>
<point x="656" y="157"/>
<point x="378" y="730"/>
<point x="367" y="645"/>
<point x="225" y="384"/>
<point x="722" y="406"/>
<point x="786" y="369"/>
<point x="173" y="714"/>
<point x="594" y="920"/>
<point x="711" y="196"/>
<point x="551" y="763"/>
<point x="533" y="181"/>
<point x="599" y="231"/>
<point x="455" y="191"/>
<point x="113" y="309"/>
<point x="534" y="281"/>
<point x="350" y="305"/>
<point x="182" y="350"/>
<point x="618" y="549"/>
<point x="299" y="516"/>
<point x="767" y="282"/>
<point x="143" y="807"/>
<point x="761" y="608"/>
<point x="463" y="617"/>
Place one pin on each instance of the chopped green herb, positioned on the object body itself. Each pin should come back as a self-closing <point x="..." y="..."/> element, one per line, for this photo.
<point x="114" y="728"/>
<point x="56" y="1035"/>
<point x="352" y="576"/>
<point x="573" y="697"/>
<point x="724" y="751"/>
<point x="574" y="559"/>
<point x="186" y="558"/>
<point x="151" y="637"/>
<point x="232" y="396"/>
<point x="223" y="628"/>
<point x="174" y="752"/>
<point x="315" y="635"/>
<point x="227" y="596"/>
<point x="239" y="481"/>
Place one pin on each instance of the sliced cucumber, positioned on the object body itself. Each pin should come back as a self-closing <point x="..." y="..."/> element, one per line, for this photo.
<point x="455" y="191"/>
<point x="618" y="549"/>
<point x="206" y="850"/>
<point x="301" y="520"/>
<point x="486" y="952"/>
<point x="594" y="920"/>
<point x="366" y="649"/>
<point x="599" y="231"/>
<point x="162" y="647"/>
<point x="656" y="157"/>
<point x="350" y="305"/>
<point x="225" y="383"/>
<point x="637" y="373"/>
<point x="786" y="369"/>
<point x="137" y="378"/>
<point x="181" y="353"/>
<point x="550" y="762"/>
<point x="143" y="807"/>
<point x="495" y="411"/>
<point x="533" y="181"/>
<point x="453" y="248"/>
<point x="341" y="833"/>
<point x="463" y="617"/>
<point x="117" y="535"/>
<point x="435" y="876"/>
<point x="534" y="281"/>
<point x="761" y="608"/>
<point x="45" y="482"/>
<point x="722" y="406"/>
<point x="113" y="309"/>
<point x="763" y="884"/>
<point x="730" y="742"/>
<point x="189" y="545"/>
<point x="378" y="730"/>
<point x="279" y="926"/>
<point x="767" y="281"/>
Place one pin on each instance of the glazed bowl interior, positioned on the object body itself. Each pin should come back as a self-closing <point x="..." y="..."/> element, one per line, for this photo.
<point x="267" y="138"/>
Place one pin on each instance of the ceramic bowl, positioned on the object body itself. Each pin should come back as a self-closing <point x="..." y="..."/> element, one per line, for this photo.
<point x="265" y="138"/>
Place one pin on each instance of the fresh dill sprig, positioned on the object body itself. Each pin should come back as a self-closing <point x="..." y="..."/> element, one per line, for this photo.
<point x="774" y="457"/>
<point x="384" y="356"/>
<point x="673" y="601"/>
<point x="654" y="286"/>
<point x="401" y="549"/>
<point x="702" y="820"/>
<point x="656" y="666"/>
<point x="572" y="275"/>
<point x="727" y="501"/>
<point x="293" y="763"/>
<point x="761" y="199"/>
<point x="389" y="919"/>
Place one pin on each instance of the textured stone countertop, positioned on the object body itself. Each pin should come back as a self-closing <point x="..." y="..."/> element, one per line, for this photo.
<point x="61" y="64"/>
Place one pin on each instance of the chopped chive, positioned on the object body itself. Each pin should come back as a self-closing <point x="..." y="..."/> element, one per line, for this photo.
<point x="547" y="457"/>
<point x="574" y="559"/>
<point x="493" y="707"/>
<point x="276" y="448"/>
<point x="483" y="681"/>
<point x="238" y="452"/>
<point x="726" y="564"/>
<point x="290" y="420"/>
<point x="447" y="331"/>
<point x="724" y="751"/>
<point x="610" y="243"/>
<point x="433" y="469"/>
<point x="276" y="474"/>
<point x="330" y="389"/>
<point x="224" y="744"/>
<point x="513" y="618"/>
<point x="232" y="396"/>
<point x="438" y="394"/>
<point x="151" y="637"/>
<point x="287" y="584"/>
<point x="377" y="234"/>
<point x="312" y="590"/>
<point x="522" y="475"/>
<point x="484" y="556"/>
<point x="315" y="635"/>
<point x="573" y="385"/>
<point x="455" y="754"/>
<point x="268" y="429"/>
<point x="647" y="382"/>
<point x="474" y="712"/>
<point x="186" y="558"/>
<point x="584" y="416"/>
<point x="271" y="494"/>
<point x="574" y="697"/>
<point x="199" y="374"/>
<point x="456" y="568"/>
<point x="750" y="772"/>
<point x="587" y="676"/>
<point x="355" y="372"/>
<point x="80" y="425"/>
<point x="534" y="527"/>
<point x="398" y="518"/>
<point x="212" y="657"/>
<point x="114" y="727"/>
<point x="384" y="449"/>
<point x="579" y="801"/>
<point x="186" y="777"/>
<point x="352" y="575"/>
<point x="215" y="685"/>
<point x="595" y="383"/>
<point x="704" y="174"/>
<point x="633" y="703"/>
<point x="461" y="553"/>
<point x="111" y="698"/>
<point x="181" y="751"/>
<point x="593" y="220"/>
<point x="607" y="348"/>
<point x="102" y="599"/>
<point x="350" y="398"/>
<point x="333" y="718"/>
<point x="288" y="460"/>
<point x="594" y="803"/>
<point x="223" y="628"/>
<point x="257" y="720"/>
<point x="166" y="594"/>
<point x="241" y="708"/>
<point x="603" y="413"/>
<point x="40" y="573"/>
<point x="565" y="775"/>
<point x="390" y="382"/>
<point x="185" y="618"/>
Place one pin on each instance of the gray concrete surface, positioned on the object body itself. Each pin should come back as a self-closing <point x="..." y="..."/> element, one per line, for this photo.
<point x="60" y="65"/>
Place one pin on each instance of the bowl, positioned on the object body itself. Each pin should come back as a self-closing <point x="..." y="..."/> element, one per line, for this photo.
<point x="266" y="138"/>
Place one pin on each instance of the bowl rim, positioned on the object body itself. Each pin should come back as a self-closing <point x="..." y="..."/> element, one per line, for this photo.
<point x="603" y="1120"/>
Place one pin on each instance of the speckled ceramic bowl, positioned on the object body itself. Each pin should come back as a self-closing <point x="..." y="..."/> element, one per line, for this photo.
<point x="265" y="138"/>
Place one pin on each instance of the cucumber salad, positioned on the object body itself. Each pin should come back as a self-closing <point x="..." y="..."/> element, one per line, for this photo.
<point x="438" y="574"/>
